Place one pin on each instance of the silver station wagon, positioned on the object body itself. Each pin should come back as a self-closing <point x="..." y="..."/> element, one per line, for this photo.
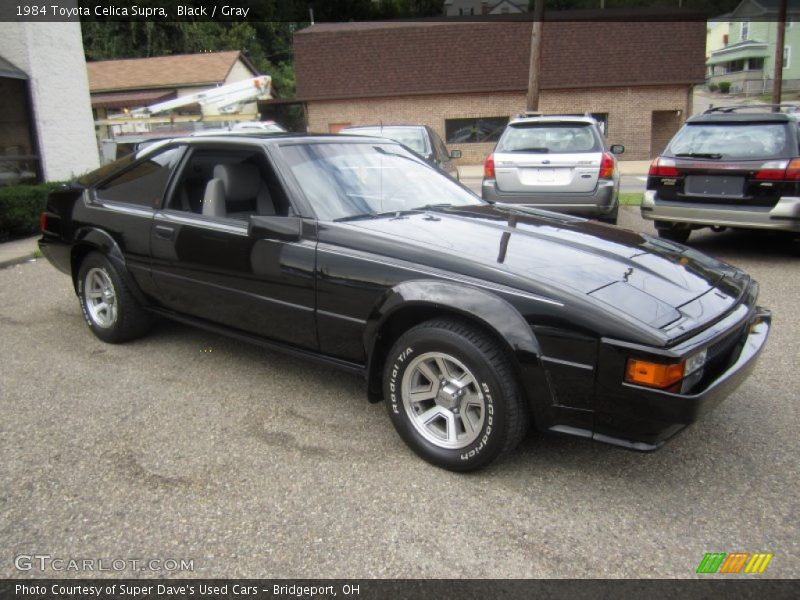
<point x="561" y="163"/>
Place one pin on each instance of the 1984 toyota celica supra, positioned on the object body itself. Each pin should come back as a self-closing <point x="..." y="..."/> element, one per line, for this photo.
<point x="470" y="320"/>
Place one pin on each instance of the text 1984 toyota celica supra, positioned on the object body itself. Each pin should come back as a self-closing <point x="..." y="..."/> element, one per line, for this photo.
<point x="470" y="320"/>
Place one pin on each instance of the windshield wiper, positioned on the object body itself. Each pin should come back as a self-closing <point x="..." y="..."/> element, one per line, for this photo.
<point x="698" y="155"/>
<point x="373" y="215"/>
<point x="431" y="206"/>
<point x="391" y="213"/>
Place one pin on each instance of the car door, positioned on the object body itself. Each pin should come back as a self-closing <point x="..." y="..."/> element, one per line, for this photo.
<point x="209" y="266"/>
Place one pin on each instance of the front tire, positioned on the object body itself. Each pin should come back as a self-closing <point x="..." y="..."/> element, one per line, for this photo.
<point x="452" y="396"/>
<point x="110" y="310"/>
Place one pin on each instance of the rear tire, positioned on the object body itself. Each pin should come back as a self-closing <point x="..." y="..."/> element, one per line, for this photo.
<point x="110" y="310"/>
<point x="452" y="396"/>
<point x="610" y="219"/>
<point x="675" y="233"/>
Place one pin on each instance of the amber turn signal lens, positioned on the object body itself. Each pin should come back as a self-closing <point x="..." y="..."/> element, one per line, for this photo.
<point x="657" y="375"/>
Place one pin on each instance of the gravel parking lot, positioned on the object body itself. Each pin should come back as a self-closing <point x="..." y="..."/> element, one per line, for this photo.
<point x="187" y="445"/>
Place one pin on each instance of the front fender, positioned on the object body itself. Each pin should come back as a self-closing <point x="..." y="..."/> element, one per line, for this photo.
<point x="473" y="303"/>
<point x="412" y="302"/>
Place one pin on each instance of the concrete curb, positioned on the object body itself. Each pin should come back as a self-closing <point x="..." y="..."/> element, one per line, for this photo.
<point x="18" y="251"/>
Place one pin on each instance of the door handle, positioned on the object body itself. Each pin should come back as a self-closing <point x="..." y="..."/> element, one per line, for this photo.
<point x="164" y="232"/>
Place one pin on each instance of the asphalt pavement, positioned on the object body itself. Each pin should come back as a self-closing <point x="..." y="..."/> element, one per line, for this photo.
<point x="187" y="445"/>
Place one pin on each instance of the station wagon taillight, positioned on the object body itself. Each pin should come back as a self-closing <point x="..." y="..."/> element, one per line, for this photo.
<point x="488" y="167"/>
<point x="607" y="166"/>
<point x="663" y="167"/>
<point x="780" y="170"/>
<point x="43" y="222"/>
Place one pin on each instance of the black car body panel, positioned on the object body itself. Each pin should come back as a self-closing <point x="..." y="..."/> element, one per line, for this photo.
<point x="569" y="299"/>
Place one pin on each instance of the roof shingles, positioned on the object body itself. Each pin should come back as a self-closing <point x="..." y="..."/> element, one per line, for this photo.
<point x="181" y="70"/>
<point x="397" y="59"/>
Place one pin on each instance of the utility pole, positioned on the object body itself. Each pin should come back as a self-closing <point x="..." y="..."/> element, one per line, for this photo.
<point x="777" y="78"/>
<point x="535" y="69"/>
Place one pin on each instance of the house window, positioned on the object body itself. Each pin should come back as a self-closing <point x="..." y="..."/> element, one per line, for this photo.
<point x="475" y="130"/>
<point x="745" y="29"/>
<point x="755" y="64"/>
<point x="787" y="56"/>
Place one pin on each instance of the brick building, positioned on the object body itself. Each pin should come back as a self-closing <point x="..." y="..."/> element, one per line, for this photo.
<point x="464" y="79"/>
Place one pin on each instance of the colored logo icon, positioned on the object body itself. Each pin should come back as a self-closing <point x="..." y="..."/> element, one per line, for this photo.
<point x="734" y="563"/>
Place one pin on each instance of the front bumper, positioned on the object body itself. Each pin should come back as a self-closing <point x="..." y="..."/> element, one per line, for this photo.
<point x="642" y="418"/>
<point x="602" y="201"/>
<point x="784" y="216"/>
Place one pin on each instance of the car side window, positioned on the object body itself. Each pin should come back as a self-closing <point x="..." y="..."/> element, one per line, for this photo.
<point x="229" y="183"/>
<point x="441" y="149"/>
<point x="144" y="183"/>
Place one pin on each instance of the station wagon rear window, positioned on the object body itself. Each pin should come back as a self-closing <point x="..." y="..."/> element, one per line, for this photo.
<point x="408" y="136"/>
<point x="553" y="138"/>
<point x="745" y="141"/>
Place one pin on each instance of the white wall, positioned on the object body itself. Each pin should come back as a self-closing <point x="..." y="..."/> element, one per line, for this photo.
<point x="51" y="54"/>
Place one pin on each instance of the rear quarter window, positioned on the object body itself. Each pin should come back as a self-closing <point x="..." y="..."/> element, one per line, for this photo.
<point x="144" y="183"/>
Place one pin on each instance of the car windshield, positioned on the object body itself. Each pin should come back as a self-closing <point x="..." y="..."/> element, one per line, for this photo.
<point x="558" y="137"/>
<point x="345" y="180"/>
<point x="730" y="141"/>
<point x="412" y="137"/>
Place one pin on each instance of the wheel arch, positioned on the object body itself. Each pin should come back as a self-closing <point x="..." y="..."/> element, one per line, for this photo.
<point x="92" y="239"/>
<point x="413" y="302"/>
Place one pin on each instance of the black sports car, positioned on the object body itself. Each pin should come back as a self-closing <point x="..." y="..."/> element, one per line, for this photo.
<point x="471" y="320"/>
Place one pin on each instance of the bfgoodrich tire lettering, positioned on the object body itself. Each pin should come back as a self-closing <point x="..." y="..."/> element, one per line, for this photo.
<point x="452" y="396"/>
<point x="108" y="306"/>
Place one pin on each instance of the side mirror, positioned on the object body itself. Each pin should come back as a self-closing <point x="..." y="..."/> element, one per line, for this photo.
<point x="617" y="149"/>
<point x="455" y="154"/>
<point x="287" y="229"/>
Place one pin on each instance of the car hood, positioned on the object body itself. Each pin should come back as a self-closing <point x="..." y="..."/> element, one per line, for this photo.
<point x="556" y="255"/>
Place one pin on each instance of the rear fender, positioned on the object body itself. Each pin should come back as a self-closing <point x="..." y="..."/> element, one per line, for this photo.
<point x="88" y="239"/>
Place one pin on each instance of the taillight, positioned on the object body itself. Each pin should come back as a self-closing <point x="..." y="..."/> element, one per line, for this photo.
<point x="663" y="167"/>
<point x="607" y="166"/>
<point x="780" y="170"/>
<point x="488" y="167"/>
<point x="43" y="222"/>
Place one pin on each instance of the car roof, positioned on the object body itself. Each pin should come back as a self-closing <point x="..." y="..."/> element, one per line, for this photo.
<point x="274" y="138"/>
<point x="740" y="117"/>
<point x="553" y="119"/>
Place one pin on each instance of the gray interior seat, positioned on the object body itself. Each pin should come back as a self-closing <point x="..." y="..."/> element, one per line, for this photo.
<point x="236" y="183"/>
<point x="214" y="199"/>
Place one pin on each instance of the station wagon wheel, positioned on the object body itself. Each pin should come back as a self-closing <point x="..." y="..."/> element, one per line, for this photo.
<point x="452" y="394"/>
<point x="110" y="309"/>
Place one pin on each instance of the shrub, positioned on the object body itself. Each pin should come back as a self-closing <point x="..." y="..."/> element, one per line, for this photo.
<point x="713" y="87"/>
<point x="20" y="207"/>
<point x="724" y="86"/>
